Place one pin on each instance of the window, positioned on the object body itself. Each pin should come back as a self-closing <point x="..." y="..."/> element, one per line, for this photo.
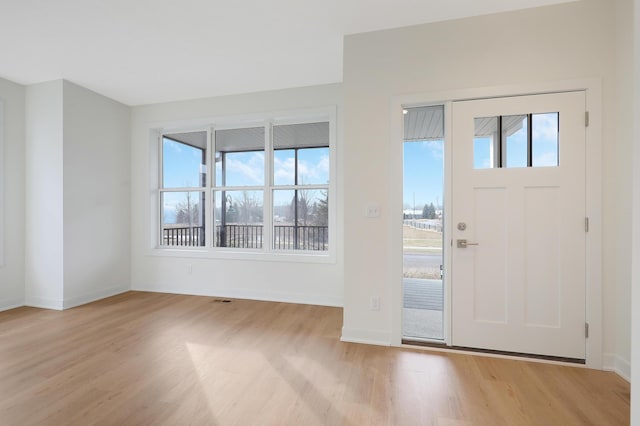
<point x="182" y="194"/>
<point x="301" y="187"/>
<point x="239" y="188"/>
<point x="526" y="140"/>
<point x="256" y="188"/>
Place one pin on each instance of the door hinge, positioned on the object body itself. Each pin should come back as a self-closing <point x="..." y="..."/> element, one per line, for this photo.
<point x="586" y="119"/>
<point x="586" y="330"/>
<point x="586" y="224"/>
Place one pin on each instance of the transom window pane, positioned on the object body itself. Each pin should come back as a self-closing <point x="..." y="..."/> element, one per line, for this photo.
<point x="545" y="139"/>
<point x="526" y="140"/>
<point x="515" y="137"/>
<point x="485" y="143"/>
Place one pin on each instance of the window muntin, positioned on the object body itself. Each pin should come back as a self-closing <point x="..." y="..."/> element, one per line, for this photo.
<point x="517" y="141"/>
<point x="252" y="167"/>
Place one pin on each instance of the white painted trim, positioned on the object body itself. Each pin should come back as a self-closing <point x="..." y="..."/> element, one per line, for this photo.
<point x="6" y="304"/>
<point x="593" y="88"/>
<point x="367" y="337"/>
<point x="265" y="296"/>
<point x="93" y="296"/>
<point x="618" y="365"/>
<point x="37" y="302"/>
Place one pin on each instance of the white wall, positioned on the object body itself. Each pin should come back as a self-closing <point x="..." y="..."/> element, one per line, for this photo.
<point x="316" y="283"/>
<point x="621" y="196"/>
<point x="548" y="44"/>
<point x="97" y="196"/>
<point x="12" y="98"/>
<point x="77" y="196"/>
<point x="635" y="300"/>
<point x="43" y="206"/>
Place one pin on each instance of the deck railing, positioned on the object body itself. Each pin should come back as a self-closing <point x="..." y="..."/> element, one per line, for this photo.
<point x="286" y="237"/>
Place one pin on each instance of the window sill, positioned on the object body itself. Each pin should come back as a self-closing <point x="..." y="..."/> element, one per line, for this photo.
<point x="243" y="255"/>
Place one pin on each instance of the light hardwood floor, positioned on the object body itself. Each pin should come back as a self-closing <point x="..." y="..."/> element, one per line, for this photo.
<point x="147" y="358"/>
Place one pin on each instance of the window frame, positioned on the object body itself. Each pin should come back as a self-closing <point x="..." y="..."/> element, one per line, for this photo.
<point x="267" y="252"/>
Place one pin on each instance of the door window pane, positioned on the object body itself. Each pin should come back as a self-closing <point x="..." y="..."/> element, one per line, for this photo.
<point x="545" y="139"/>
<point x="485" y="143"/>
<point x="515" y="135"/>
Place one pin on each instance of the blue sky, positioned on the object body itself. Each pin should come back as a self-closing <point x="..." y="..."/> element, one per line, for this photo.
<point x="423" y="173"/>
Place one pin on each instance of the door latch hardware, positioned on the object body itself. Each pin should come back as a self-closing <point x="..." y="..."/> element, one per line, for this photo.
<point x="464" y="244"/>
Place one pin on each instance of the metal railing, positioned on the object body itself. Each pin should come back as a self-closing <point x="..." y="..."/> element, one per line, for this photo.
<point x="191" y="236"/>
<point x="239" y="236"/>
<point x="286" y="237"/>
<point x="291" y="237"/>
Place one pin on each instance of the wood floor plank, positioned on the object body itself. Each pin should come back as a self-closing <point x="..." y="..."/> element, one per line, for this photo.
<point x="152" y="358"/>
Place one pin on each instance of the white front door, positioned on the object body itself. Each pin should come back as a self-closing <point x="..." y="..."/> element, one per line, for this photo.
<point x="519" y="202"/>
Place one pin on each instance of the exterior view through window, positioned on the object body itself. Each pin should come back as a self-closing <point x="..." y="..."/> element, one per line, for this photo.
<point x="423" y="180"/>
<point x="509" y="141"/>
<point x="271" y="200"/>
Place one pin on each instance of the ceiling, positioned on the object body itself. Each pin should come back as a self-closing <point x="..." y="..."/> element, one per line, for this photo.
<point x="148" y="51"/>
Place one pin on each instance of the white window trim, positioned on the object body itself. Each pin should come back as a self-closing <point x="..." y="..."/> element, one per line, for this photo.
<point x="302" y="116"/>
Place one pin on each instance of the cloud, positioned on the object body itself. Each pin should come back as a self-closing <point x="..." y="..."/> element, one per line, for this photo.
<point x="545" y="127"/>
<point x="174" y="146"/>
<point x="314" y="173"/>
<point x="548" y="159"/>
<point x="436" y="148"/>
<point x="308" y="172"/>
<point x="251" y="168"/>
<point x="284" y="171"/>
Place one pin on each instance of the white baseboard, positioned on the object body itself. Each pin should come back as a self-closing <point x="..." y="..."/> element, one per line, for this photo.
<point x="369" y="337"/>
<point x="266" y="296"/>
<point x="38" y="302"/>
<point x="618" y="365"/>
<point x="6" y="304"/>
<point x="72" y="302"/>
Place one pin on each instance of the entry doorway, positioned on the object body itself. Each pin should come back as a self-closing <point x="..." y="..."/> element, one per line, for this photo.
<point x="516" y="221"/>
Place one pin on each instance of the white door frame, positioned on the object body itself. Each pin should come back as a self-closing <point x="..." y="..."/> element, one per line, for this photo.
<point x="593" y="91"/>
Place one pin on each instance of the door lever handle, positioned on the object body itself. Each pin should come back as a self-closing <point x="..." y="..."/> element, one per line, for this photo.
<point x="464" y="244"/>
